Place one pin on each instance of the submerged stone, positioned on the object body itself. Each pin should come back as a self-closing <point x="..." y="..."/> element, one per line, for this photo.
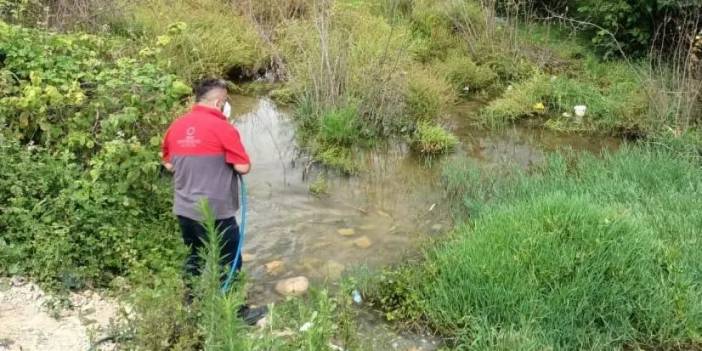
<point x="346" y="231"/>
<point x="274" y="267"/>
<point x="363" y="242"/>
<point x="295" y="286"/>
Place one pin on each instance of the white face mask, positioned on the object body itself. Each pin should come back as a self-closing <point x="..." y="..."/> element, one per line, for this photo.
<point x="227" y="110"/>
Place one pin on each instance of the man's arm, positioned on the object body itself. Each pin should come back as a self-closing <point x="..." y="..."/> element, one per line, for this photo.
<point x="165" y="153"/>
<point x="234" y="151"/>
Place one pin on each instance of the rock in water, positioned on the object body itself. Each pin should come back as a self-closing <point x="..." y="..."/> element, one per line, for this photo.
<point x="293" y="286"/>
<point x="363" y="242"/>
<point x="346" y="231"/>
<point x="274" y="267"/>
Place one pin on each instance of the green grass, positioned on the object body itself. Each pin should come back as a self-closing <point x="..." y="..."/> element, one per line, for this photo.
<point x="586" y="253"/>
<point x="430" y="139"/>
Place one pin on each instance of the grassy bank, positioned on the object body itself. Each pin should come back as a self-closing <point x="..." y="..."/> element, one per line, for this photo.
<point x="582" y="253"/>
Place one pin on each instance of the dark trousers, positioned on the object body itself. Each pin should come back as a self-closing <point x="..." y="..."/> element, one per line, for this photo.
<point x="195" y="237"/>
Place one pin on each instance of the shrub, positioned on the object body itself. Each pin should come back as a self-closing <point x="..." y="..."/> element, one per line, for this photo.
<point x="465" y="76"/>
<point x="185" y="32"/>
<point x="432" y="139"/>
<point x="433" y="31"/>
<point x="340" y="127"/>
<point x="82" y="194"/>
<point x="427" y="96"/>
<point x="364" y="57"/>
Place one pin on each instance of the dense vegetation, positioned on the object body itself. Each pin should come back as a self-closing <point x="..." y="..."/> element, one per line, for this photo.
<point x="582" y="253"/>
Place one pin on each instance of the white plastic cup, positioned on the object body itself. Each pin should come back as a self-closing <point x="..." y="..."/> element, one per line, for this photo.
<point x="580" y="110"/>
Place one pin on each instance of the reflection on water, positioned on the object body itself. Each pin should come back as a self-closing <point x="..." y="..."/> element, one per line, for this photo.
<point x="372" y="219"/>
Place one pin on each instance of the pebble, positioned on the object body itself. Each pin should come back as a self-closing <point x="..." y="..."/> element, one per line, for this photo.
<point x="295" y="286"/>
<point x="363" y="242"/>
<point x="346" y="231"/>
<point x="274" y="267"/>
<point x="436" y="227"/>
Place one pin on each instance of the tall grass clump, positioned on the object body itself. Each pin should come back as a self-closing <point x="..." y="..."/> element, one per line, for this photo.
<point x="430" y="139"/>
<point x="201" y="39"/>
<point x="466" y="77"/>
<point x="427" y="96"/>
<point x="588" y="254"/>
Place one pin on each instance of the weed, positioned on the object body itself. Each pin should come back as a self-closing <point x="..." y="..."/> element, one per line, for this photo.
<point x="432" y="139"/>
<point x="427" y="96"/>
<point x="466" y="77"/>
<point x="339" y="158"/>
<point x="340" y="127"/>
<point x="320" y="186"/>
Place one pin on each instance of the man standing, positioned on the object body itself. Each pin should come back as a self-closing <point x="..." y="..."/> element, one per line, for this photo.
<point x="204" y="152"/>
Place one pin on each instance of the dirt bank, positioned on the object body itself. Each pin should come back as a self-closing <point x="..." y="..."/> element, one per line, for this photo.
<point x="27" y="322"/>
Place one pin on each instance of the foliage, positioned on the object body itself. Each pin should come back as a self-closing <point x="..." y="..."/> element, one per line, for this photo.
<point x="432" y="139"/>
<point x="218" y="321"/>
<point x="82" y="192"/>
<point x="427" y="97"/>
<point x="363" y="57"/>
<point x="592" y="253"/>
<point x="320" y="186"/>
<point x="466" y="77"/>
<point x="193" y="49"/>
<point x="432" y="29"/>
<point x="632" y="27"/>
<point x="340" y="127"/>
<point x="159" y="320"/>
<point x="612" y="93"/>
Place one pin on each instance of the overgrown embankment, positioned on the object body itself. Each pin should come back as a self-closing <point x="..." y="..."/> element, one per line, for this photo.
<point x="582" y="253"/>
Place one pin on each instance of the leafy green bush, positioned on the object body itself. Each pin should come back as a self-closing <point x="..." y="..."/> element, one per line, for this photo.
<point x="430" y="139"/>
<point x="82" y="195"/>
<point x="588" y="254"/>
<point x="632" y="26"/>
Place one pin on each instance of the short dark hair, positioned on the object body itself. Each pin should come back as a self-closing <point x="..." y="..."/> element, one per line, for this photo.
<point x="207" y="85"/>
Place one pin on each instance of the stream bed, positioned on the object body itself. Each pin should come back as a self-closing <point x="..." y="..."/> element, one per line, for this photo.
<point x="374" y="219"/>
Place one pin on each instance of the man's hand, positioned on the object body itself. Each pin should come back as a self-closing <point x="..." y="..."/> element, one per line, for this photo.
<point x="168" y="166"/>
<point x="242" y="169"/>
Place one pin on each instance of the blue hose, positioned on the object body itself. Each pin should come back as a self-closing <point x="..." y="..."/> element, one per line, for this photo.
<point x="242" y="231"/>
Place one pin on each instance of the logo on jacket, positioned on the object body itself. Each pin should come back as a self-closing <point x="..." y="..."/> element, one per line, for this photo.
<point x="189" y="140"/>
